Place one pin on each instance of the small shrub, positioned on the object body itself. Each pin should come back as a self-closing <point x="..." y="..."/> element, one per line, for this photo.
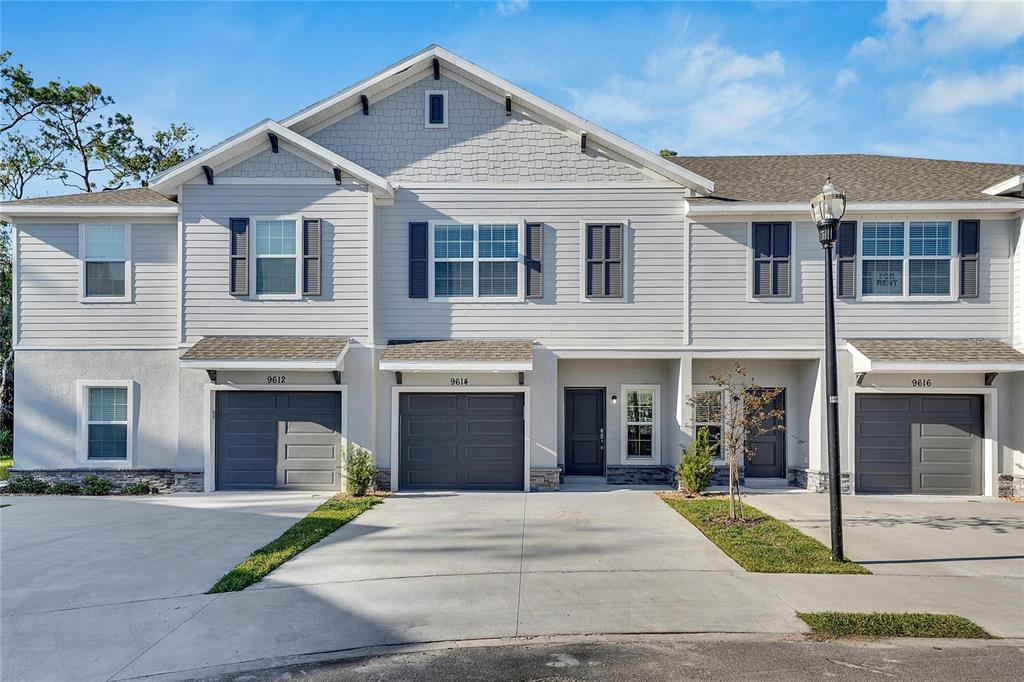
<point x="94" y="485"/>
<point x="65" y="488"/>
<point x="360" y="472"/>
<point x="6" y="443"/>
<point x="29" y="485"/>
<point x="137" y="488"/>
<point x="695" y="470"/>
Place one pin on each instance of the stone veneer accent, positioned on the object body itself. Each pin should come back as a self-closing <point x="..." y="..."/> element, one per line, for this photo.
<point x="545" y="480"/>
<point x="164" y="480"/>
<point x="383" y="482"/>
<point x="816" y="481"/>
<point x="1011" y="486"/>
<point x="639" y="475"/>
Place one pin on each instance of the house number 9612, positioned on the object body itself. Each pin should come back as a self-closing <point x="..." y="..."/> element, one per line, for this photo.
<point x="276" y="379"/>
<point x="921" y="383"/>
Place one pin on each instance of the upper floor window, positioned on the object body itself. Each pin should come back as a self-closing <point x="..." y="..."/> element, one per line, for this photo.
<point x="772" y="250"/>
<point x="471" y="261"/>
<point x="106" y="267"/>
<point x="275" y="257"/>
<point x="436" y="109"/>
<point x="912" y="258"/>
<point x="603" y="260"/>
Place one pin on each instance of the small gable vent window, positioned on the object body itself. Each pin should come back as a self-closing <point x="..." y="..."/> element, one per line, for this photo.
<point x="436" y="109"/>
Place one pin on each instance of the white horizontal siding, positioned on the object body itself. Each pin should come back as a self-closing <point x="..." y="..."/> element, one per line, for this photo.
<point x="1018" y="283"/>
<point x="722" y="314"/>
<point x="50" y="313"/>
<point x="654" y="316"/>
<point x="340" y="310"/>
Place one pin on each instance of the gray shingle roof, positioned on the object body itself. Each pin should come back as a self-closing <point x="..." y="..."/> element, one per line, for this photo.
<point x="467" y="350"/>
<point x="937" y="350"/>
<point x="141" y="196"/>
<point x="863" y="177"/>
<point x="266" y="348"/>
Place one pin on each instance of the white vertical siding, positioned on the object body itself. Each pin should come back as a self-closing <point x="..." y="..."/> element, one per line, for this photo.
<point x="50" y="313"/>
<point x="342" y="308"/>
<point x="721" y="313"/>
<point x="1017" y="263"/>
<point x="652" y="316"/>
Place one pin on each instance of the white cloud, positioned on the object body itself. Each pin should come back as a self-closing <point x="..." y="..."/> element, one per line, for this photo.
<point x="845" y="78"/>
<point x="947" y="94"/>
<point x="744" y="109"/>
<point x="913" y="29"/>
<point x="507" y="8"/>
<point x="711" y="63"/>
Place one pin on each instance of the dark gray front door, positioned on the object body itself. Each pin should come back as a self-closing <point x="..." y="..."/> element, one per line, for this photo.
<point x="584" y="431"/>
<point x="277" y="439"/>
<point x="769" y="460"/>
<point x="461" y="441"/>
<point x="919" y="444"/>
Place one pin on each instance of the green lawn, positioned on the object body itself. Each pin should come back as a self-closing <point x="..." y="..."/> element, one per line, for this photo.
<point x="839" y="624"/>
<point x="763" y="544"/>
<point x="314" y="527"/>
<point x="5" y="467"/>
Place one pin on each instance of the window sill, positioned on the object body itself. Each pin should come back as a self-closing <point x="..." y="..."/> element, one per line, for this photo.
<point x="104" y="299"/>
<point x="770" y="299"/>
<point x="105" y="464"/>
<point x="276" y="297"/>
<point x="905" y="299"/>
<point x="483" y="299"/>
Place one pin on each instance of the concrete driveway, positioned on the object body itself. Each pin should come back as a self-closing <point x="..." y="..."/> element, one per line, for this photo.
<point x="914" y="535"/>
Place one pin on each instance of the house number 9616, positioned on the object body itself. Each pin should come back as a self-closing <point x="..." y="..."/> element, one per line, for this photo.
<point x="276" y="379"/>
<point x="921" y="383"/>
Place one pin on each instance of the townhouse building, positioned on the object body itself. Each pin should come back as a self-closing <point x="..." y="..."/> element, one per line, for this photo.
<point x="486" y="291"/>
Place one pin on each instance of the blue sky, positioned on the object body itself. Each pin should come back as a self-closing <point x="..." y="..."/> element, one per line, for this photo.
<point x="939" y="80"/>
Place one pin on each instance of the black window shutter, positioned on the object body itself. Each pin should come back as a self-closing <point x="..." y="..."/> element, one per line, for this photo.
<point x="417" y="260"/>
<point x="846" y="260"/>
<point x="614" y="263"/>
<point x="772" y="247"/>
<point x="604" y="261"/>
<point x="534" y="260"/>
<point x="970" y="247"/>
<point x="238" y="265"/>
<point x="311" y="257"/>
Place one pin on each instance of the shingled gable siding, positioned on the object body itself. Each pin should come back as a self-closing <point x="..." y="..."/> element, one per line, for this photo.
<point x="342" y="307"/>
<point x="50" y="313"/>
<point x="651" y="316"/>
<point x="267" y="164"/>
<point x="480" y="143"/>
<point x="721" y="313"/>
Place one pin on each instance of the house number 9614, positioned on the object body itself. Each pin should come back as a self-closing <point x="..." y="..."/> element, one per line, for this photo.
<point x="921" y="383"/>
<point x="276" y="379"/>
<point x="460" y="381"/>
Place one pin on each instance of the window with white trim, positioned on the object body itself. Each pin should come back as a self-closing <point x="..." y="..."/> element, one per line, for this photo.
<point x="707" y="413"/>
<point x="105" y="268"/>
<point x="276" y="270"/>
<point x="906" y="259"/>
<point x="640" y="422"/>
<point x="107" y="422"/>
<point x="435" y="113"/>
<point x="473" y="261"/>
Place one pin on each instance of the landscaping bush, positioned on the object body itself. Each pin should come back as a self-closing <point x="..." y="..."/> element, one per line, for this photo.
<point x="360" y="472"/>
<point x="695" y="471"/>
<point x="137" y="488"/>
<point x="5" y="467"/>
<point x="65" y="488"/>
<point x="94" y="485"/>
<point x="28" y="484"/>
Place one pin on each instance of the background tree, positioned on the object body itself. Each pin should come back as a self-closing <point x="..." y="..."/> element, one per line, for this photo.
<point x="22" y="160"/>
<point x="745" y="412"/>
<point x="667" y="153"/>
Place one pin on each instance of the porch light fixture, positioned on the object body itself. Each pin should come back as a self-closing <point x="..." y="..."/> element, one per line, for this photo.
<point x="827" y="209"/>
<point x="615" y="399"/>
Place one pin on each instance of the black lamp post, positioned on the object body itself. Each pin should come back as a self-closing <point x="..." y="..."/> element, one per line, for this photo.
<point x="827" y="209"/>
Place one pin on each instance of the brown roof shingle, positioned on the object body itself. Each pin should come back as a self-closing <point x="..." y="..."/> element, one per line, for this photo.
<point x="266" y="348"/>
<point x="938" y="350"/>
<point x="467" y="350"/>
<point x="141" y="196"/>
<point x="864" y="177"/>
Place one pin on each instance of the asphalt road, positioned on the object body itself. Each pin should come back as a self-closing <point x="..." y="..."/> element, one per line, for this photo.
<point x="675" y="658"/>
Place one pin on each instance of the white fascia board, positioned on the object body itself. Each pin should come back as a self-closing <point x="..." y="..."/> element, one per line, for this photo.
<point x="1011" y="184"/>
<point x="748" y="208"/>
<point x="269" y="365"/>
<point x="9" y="212"/>
<point x="254" y="137"/>
<point x="943" y="367"/>
<point x="522" y="99"/>
<point x="454" y="366"/>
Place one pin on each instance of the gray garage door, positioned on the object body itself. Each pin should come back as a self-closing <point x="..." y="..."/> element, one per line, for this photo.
<point x="277" y="439"/>
<point x="919" y="444"/>
<point x="469" y="441"/>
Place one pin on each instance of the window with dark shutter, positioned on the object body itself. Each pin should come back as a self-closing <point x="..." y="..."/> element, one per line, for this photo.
<point x="311" y="257"/>
<point x="417" y="260"/>
<point x="772" y="248"/>
<point x="534" y="260"/>
<point x="239" y="258"/>
<point x="604" y="261"/>
<point x="970" y="247"/>
<point x="846" y="260"/>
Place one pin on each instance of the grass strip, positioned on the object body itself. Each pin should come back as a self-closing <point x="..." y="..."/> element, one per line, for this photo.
<point x="762" y="544"/>
<point x="942" y="625"/>
<point x="314" y="527"/>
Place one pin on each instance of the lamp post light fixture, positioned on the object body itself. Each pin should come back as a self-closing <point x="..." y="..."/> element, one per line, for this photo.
<point x="827" y="209"/>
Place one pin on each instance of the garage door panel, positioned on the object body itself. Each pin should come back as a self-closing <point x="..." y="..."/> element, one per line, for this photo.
<point x="311" y="477"/>
<point x="957" y="431"/>
<point x="887" y="404"/>
<point x="944" y="456"/>
<point x="318" y="452"/>
<point x="882" y="455"/>
<point x="880" y="482"/>
<point x="432" y="452"/>
<point x="430" y="403"/>
<point x="948" y="404"/>
<point x="492" y="428"/>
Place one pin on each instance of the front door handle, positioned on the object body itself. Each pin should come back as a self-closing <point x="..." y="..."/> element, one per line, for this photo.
<point x="600" y="437"/>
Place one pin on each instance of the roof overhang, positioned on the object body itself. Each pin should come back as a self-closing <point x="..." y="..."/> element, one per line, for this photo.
<point x="1008" y="186"/>
<point x="268" y="365"/>
<point x="700" y="208"/>
<point x="522" y="100"/>
<point x="865" y="364"/>
<point x="454" y="366"/>
<point x="9" y="212"/>
<point x="269" y="353"/>
<point x="254" y="139"/>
